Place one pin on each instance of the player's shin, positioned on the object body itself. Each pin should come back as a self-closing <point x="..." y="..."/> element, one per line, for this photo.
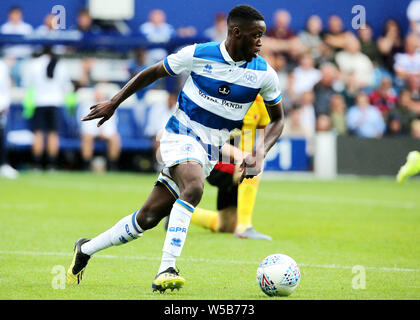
<point x="179" y="221"/>
<point x="125" y="230"/>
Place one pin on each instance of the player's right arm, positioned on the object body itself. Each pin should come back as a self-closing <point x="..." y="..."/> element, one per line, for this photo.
<point x="105" y="110"/>
<point x="172" y="65"/>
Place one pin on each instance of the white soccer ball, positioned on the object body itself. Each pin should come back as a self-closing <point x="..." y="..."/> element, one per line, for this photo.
<point x="278" y="275"/>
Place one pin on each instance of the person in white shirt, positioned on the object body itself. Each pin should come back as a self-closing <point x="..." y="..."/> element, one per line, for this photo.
<point x="218" y="31"/>
<point x="15" y="53"/>
<point x="305" y="76"/>
<point x="5" y="169"/>
<point x="356" y="67"/>
<point x="413" y="15"/>
<point x="156" y="29"/>
<point x="311" y="36"/>
<point x="408" y="63"/>
<point x="50" y="82"/>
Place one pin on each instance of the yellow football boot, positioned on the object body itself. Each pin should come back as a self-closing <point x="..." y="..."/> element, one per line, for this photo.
<point x="78" y="265"/>
<point x="410" y="168"/>
<point x="168" y="279"/>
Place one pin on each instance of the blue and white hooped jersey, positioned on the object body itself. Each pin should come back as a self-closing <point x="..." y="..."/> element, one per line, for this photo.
<point x="218" y="92"/>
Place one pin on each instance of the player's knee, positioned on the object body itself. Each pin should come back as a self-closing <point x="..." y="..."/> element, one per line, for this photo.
<point x="193" y="192"/>
<point x="147" y="218"/>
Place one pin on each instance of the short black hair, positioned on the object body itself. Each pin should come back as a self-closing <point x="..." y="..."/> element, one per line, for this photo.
<point x="244" y="12"/>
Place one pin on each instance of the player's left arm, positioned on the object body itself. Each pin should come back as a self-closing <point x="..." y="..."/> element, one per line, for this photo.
<point x="274" y="129"/>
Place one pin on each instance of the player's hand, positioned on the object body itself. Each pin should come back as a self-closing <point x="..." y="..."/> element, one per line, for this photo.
<point x="103" y="110"/>
<point x="251" y="166"/>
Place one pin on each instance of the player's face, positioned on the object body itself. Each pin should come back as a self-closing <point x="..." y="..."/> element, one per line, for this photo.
<point x="251" y="39"/>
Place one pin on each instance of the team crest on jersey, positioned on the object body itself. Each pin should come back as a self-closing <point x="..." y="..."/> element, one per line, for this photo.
<point x="187" y="147"/>
<point x="208" y="68"/>
<point x="224" y="90"/>
<point x="250" y="77"/>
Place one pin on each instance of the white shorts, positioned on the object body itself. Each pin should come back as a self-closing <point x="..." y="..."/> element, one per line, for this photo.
<point x="179" y="148"/>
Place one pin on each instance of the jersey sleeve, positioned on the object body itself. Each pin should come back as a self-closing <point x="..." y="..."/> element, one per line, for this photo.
<point x="180" y="61"/>
<point x="270" y="90"/>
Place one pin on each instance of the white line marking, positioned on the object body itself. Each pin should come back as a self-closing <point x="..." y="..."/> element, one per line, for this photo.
<point x="217" y="261"/>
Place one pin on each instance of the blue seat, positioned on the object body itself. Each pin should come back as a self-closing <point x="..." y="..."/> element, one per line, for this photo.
<point x="132" y="136"/>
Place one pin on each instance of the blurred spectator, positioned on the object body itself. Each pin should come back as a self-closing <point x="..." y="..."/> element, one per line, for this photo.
<point x="415" y="129"/>
<point x="307" y="113"/>
<point x="408" y="62"/>
<point x="325" y="88"/>
<point x="159" y="114"/>
<point x="305" y="76"/>
<point x="107" y="132"/>
<point x="323" y="123"/>
<point x="5" y="169"/>
<point x="50" y="82"/>
<point x="47" y="29"/>
<point x="394" y="126"/>
<point x="279" y="63"/>
<point x="390" y="43"/>
<point x="281" y="28"/>
<point x="336" y="36"/>
<point x="293" y="126"/>
<point x="85" y="79"/>
<point x="404" y="111"/>
<point x="413" y="85"/>
<point x="281" y="39"/>
<point x="413" y="15"/>
<point x="300" y="121"/>
<point x="311" y="37"/>
<point x="136" y="65"/>
<point x="218" y="31"/>
<point x="384" y="97"/>
<point x="355" y="66"/>
<point x="368" y="45"/>
<point x="338" y="114"/>
<point x="364" y="120"/>
<point x="157" y="30"/>
<point x="16" y="53"/>
<point x="85" y="23"/>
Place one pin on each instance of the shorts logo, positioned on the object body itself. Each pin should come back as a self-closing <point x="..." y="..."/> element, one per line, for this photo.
<point x="176" y="242"/>
<point x="250" y="77"/>
<point x="188" y="147"/>
<point x="224" y="90"/>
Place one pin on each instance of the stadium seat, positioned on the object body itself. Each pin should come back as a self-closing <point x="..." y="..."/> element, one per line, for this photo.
<point x="19" y="134"/>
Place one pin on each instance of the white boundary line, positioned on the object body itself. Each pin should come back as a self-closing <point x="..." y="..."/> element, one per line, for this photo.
<point x="192" y="259"/>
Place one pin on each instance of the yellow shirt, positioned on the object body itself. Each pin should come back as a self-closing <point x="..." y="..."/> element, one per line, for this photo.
<point x="256" y="117"/>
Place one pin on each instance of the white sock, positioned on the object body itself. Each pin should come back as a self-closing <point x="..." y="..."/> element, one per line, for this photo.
<point x="179" y="221"/>
<point x="123" y="231"/>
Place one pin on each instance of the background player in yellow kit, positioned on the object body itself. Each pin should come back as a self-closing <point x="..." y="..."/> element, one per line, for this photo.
<point x="235" y="203"/>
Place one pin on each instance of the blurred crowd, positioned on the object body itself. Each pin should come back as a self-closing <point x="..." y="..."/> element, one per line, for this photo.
<point x="352" y="82"/>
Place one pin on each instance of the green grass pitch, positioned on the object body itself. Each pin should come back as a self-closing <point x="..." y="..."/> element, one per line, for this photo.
<point x="328" y="227"/>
